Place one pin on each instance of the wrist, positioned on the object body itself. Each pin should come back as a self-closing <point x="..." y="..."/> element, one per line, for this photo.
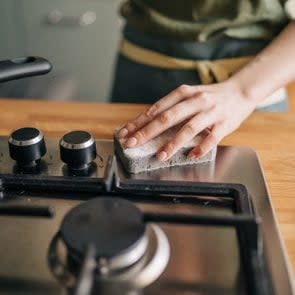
<point x="247" y="89"/>
<point x="243" y="91"/>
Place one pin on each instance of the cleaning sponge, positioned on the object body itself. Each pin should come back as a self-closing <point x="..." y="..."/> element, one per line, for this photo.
<point x="143" y="158"/>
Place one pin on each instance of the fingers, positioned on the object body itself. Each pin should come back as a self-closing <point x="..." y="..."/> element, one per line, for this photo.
<point x="193" y="127"/>
<point x="209" y="142"/>
<point x="171" y="117"/>
<point x="162" y="105"/>
<point x="174" y="97"/>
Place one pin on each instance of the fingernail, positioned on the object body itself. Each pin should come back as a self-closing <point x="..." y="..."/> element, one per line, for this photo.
<point x="195" y="153"/>
<point x="123" y="132"/>
<point x="162" y="156"/>
<point x="192" y="156"/>
<point x="123" y="141"/>
<point x="132" y="141"/>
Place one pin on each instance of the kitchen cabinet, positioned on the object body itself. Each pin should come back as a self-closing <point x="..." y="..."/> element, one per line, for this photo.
<point x="79" y="38"/>
<point x="8" y="34"/>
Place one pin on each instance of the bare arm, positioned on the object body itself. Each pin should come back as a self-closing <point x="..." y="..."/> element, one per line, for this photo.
<point x="271" y="69"/>
<point x="222" y="106"/>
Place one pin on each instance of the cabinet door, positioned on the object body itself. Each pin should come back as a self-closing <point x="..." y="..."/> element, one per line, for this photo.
<point x="80" y="39"/>
<point x="8" y="33"/>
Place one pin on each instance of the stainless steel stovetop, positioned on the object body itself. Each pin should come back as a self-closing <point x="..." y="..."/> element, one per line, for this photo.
<point x="203" y="259"/>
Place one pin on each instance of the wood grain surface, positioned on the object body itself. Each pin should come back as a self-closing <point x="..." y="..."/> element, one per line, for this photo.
<point x="272" y="135"/>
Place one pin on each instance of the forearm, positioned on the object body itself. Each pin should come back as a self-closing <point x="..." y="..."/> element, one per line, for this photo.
<point x="271" y="69"/>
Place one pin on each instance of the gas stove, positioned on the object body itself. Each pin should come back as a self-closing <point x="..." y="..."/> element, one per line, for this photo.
<point x="74" y="222"/>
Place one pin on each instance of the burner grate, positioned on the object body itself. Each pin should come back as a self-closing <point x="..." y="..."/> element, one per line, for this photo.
<point x="244" y="220"/>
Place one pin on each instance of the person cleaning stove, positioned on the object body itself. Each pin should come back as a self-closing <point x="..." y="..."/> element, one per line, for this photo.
<point x="204" y="64"/>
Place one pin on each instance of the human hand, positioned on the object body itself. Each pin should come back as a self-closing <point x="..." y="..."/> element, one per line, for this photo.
<point x="221" y="108"/>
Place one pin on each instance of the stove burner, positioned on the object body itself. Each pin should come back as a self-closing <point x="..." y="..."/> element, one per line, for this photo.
<point x="129" y="254"/>
<point x="77" y="149"/>
<point x="26" y="146"/>
<point x="114" y="226"/>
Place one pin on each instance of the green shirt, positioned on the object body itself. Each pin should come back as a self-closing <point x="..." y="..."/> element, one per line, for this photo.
<point x="204" y="19"/>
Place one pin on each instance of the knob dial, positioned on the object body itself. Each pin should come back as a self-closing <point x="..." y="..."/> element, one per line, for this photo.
<point x="26" y="146"/>
<point x="77" y="149"/>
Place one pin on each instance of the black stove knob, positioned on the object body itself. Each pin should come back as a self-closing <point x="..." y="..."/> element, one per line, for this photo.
<point x="26" y="146"/>
<point x="77" y="149"/>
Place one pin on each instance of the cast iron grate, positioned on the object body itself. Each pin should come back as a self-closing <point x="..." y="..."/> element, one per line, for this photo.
<point x="245" y="222"/>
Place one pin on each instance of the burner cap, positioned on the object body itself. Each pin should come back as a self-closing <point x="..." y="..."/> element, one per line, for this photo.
<point x="114" y="226"/>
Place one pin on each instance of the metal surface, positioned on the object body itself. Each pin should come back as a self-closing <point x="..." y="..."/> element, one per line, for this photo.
<point x="239" y="165"/>
<point x="52" y="170"/>
<point x="203" y="260"/>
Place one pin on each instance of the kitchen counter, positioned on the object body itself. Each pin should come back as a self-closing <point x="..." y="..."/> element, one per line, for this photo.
<point x="272" y="135"/>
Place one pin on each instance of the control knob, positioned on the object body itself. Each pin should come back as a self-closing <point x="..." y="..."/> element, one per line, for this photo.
<point x="77" y="149"/>
<point x="26" y="146"/>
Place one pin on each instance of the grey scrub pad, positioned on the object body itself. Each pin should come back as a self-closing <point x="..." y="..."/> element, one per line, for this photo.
<point x="143" y="158"/>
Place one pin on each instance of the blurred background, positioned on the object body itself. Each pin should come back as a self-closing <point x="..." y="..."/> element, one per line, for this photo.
<point x="79" y="37"/>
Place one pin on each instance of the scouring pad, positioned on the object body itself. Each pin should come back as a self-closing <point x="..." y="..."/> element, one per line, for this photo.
<point x="143" y="158"/>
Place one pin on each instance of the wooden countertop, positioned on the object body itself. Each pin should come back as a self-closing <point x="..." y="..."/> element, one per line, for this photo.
<point x="272" y="135"/>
